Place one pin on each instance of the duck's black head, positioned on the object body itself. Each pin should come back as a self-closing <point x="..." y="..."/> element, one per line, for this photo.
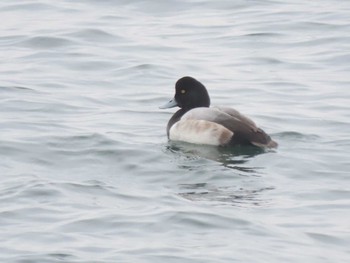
<point x="189" y="94"/>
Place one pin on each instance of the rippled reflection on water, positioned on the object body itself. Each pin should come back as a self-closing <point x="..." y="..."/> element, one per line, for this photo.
<point x="233" y="157"/>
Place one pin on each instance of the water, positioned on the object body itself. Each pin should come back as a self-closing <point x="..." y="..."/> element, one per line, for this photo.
<point x="87" y="173"/>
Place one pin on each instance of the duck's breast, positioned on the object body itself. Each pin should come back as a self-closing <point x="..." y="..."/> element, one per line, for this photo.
<point x="200" y="132"/>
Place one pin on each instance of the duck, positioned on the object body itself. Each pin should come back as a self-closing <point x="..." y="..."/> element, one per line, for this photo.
<point x="197" y="122"/>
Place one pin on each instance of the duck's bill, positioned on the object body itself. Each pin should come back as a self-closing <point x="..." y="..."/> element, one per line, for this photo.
<point x="171" y="104"/>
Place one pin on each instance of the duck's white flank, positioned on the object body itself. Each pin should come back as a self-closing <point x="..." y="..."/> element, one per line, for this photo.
<point x="200" y="132"/>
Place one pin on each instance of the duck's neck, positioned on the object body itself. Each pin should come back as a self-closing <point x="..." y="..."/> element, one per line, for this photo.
<point x="175" y="118"/>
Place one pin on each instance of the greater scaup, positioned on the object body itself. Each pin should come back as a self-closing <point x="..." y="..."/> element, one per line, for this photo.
<point x="196" y="123"/>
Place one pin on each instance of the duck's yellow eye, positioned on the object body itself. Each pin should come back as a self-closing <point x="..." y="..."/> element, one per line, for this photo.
<point x="183" y="91"/>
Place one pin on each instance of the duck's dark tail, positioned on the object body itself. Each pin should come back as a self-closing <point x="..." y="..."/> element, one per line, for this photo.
<point x="262" y="139"/>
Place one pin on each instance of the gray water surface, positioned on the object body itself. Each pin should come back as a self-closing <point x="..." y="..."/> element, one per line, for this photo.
<point x="87" y="173"/>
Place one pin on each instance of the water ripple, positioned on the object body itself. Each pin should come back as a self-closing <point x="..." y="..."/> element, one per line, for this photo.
<point x="46" y="42"/>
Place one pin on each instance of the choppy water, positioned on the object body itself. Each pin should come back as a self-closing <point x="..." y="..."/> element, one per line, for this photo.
<point x="87" y="174"/>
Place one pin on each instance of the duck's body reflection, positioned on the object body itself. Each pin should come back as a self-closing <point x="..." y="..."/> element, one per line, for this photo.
<point x="230" y="157"/>
<point x="238" y="192"/>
